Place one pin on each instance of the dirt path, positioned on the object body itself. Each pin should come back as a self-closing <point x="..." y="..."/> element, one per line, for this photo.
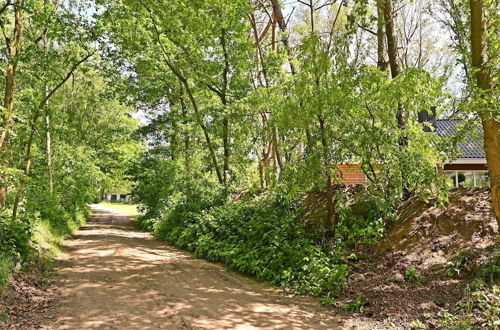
<point x="114" y="276"/>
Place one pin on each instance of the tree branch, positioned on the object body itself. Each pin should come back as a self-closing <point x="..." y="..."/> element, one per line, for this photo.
<point x="65" y="79"/>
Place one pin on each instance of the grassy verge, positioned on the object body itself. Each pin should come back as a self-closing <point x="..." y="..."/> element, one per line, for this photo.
<point x="6" y="268"/>
<point x="129" y="209"/>
<point x="32" y="246"/>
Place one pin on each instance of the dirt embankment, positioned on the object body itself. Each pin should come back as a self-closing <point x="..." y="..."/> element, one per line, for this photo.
<point x="426" y="237"/>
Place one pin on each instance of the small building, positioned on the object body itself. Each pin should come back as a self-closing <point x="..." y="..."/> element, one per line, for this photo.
<point x="470" y="170"/>
<point x="118" y="197"/>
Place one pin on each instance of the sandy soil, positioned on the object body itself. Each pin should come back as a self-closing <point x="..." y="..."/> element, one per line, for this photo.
<point x="427" y="237"/>
<point x="114" y="276"/>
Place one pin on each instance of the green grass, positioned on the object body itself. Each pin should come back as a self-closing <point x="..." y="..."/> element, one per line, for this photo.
<point x="129" y="209"/>
<point x="5" y="271"/>
<point x="47" y="241"/>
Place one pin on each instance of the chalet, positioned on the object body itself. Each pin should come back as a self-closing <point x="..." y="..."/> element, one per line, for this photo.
<point x="469" y="170"/>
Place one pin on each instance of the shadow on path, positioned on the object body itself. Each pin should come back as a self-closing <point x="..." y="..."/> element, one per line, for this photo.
<point x="114" y="276"/>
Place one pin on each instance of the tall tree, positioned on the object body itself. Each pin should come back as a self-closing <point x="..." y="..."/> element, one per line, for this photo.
<point x="12" y="43"/>
<point x="382" y="63"/>
<point x="485" y="85"/>
<point x="392" y="51"/>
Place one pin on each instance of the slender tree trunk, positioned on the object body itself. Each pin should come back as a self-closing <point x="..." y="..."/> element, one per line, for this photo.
<point x="382" y="63"/>
<point x="330" y="203"/>
<point x="266" y="153"/>
<point x="225" y="142"/>
<point x="273" y="31"/>
<point x="12" y="50"/>
<point x="187" y="156"/>
<point x="27" y="169"/>
<point x="223" y="96"/>
<point x="265" y="165"/>
<point x="282" y="25"/>
<point x="485" y="83"/>
<point x="261" y="176"/>
<point x="392" y="46"/>
<point x="277" y="154"/>
<point x="204" y="129"/>
<point x="258" y="49"/>
<point x="311" y="14"/>
<point x="174" y="146"/>
<point x="264" y="175"/>
<point x="50" y="169"/>
<point x="392" y="50"/>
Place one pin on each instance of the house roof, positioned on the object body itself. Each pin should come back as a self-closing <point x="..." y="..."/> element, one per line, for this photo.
<point x="472" y="147"/>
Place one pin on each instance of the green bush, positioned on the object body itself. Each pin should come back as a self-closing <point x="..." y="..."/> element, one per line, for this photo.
<point x="355" y="306"/>
<point x="490" y="269"/>
<point x="15" y="237"/>
<point x="16" y="246"/>
<point x="478" y="309"/>
<point x="411" y="274"/>
<point x="34" y="236"/>
<point x="5" y="270"/>
<point x="261" y="237"/>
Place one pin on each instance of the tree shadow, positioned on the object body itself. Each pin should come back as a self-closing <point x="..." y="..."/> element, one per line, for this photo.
<point x="115" y="276"/>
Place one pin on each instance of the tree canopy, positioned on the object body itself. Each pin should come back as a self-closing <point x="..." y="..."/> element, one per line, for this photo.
<point x="225" y="117"/>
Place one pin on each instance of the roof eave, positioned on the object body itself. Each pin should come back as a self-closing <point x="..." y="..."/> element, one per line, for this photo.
<point x="469" y="161"/>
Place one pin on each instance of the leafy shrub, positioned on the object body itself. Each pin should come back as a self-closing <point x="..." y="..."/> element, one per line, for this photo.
<point x="411" y="274"/>
<point x="327" y="300"/>
<point x="15" y="237"/>
<point x="417" y="324"/>
<point x="356" y="306"/>
<point x="5" y="270"/>
<point x="458" y="265"/>
<point x="16" y="245"/>
<point x="261" y="237"/>
<point x="482" y="301"/>
<point x="484" y="264"/>
<point x="490" y="269"/>
<point x="34" y="236"/>
<point x="363" y="215"/>
<point x="478" y="309"/>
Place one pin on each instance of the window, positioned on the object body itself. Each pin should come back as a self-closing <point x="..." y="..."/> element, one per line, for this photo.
<point x="467" y="178"/>
<point x="114" y="197"/>
<point x="482" y="178"/>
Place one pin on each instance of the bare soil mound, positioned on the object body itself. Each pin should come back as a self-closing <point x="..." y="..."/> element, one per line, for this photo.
<point x="426" y="234"/>
<point x="425" y="237"/>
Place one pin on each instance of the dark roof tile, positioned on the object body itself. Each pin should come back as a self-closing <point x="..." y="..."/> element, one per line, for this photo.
<point x="472" y="147"/>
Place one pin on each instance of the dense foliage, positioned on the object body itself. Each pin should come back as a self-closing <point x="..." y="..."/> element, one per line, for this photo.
<point x="260" y="236"/>
<point x="236" y="106"/>
<point x="250" y="112"/>
<point x="65" y="134"/>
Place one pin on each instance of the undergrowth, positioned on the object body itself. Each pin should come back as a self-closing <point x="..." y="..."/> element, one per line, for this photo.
<point x="34" y="239"/>
<point x="480" y="306"/>
<point x="261" y="236"/>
